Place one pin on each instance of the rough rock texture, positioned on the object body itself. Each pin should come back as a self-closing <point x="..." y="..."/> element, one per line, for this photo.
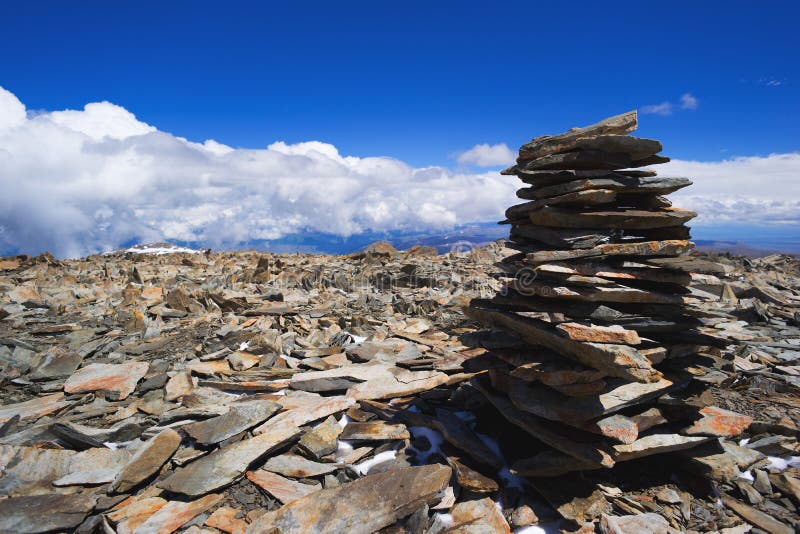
<point x="363" y="506"/>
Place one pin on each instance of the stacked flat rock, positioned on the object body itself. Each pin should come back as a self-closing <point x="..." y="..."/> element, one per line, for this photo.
<point x="608" y="364"/>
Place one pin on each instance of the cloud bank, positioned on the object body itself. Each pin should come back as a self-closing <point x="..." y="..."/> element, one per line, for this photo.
<point x="77" y="182"/>
<point x="83" y="181"/>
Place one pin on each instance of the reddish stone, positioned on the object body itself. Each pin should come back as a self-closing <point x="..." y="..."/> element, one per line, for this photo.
<point x="117" y="380"/>
<point x="719" y="423"/>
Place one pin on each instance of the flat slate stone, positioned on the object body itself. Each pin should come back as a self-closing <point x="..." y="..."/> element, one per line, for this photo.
<point x="471" y="480"/>
<point x="625" y="219"/>
<point x="718" y="422"/>
<point x="293" y="465"/>
<point x="656" y="444"/>
<point x="646" y="249"/>
<point x="599" y="334"/>
<point x="227" y="464"/>
<point x="33" y="408"/>
<point x="584" y="159"/>
<point x="546" y="403"/>
<point x="478" y="517"/>
<point x="360" y="507"/>
<point x="240" y="417"/>
<point x="281" y="488"/>
<point x="551" y="144"/>
<point x="28" y="467"/>
<point x="116" y="380"/>
<point x="635" y="147"/>
<point x="620" y="273"/>
<point x="175" y="514"/>
<point x="56" y="363"/>
<point x="43" y="513"/>
<point x="374" y="430"/>
<point x="615" y="360"/>
<point x="589" y="197"/>
<point x="317" y="409"/>
<point x="617" y="182"/>
<point x="322" y="439"/>
<point x="147" y="460"/>
<point x="612" y="293"/>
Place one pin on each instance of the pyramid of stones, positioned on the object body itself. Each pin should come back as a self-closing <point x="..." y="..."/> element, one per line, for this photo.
<point x="608" y="361"/>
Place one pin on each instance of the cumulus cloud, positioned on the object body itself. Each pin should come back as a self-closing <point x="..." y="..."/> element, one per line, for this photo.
<point x="81" y="181"/>
<point x="688" y="101"/>
<point x="486" y="155"/>
<point x="742" y="190"/>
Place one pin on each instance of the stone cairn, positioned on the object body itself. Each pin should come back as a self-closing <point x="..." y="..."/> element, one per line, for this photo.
<point x="606" y="362"/>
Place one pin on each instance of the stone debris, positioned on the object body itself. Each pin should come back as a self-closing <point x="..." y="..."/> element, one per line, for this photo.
<point x="628" y="383"/>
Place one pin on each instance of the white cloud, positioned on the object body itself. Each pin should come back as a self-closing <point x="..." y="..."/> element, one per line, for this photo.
<point x="12" y="111"/>
<point x="664" y="109"/>
<point x="742" y="190"/>
<point x="76" y="182"/>
<point x="688" y="101"/>
<point x="486" y="155"/>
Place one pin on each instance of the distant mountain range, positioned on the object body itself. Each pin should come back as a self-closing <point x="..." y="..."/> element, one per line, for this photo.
<point x="740" y="240"/>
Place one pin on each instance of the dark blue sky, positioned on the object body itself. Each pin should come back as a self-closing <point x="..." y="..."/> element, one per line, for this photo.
<point x="417" y="80"/>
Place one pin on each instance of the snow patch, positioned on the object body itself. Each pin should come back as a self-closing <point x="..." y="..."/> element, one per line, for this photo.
<point x="445" y="519"/>
<point x="747" y="475"/>
<point x="385" y="456"/>
<point x="156" y="250"/>
<point x="783" y="463"/>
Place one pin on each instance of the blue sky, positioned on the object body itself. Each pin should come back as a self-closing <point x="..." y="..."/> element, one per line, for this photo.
<point x="416" y="80"/>
<point x="230" y="123"/>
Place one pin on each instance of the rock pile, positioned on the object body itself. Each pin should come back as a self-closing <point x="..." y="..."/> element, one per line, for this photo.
<point x="613" y="365"/>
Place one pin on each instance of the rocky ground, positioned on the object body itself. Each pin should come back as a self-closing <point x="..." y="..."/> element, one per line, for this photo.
<point x="159" y="391"/>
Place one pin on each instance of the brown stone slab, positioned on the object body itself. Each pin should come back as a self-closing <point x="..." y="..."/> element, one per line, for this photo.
<point x="599" y="334"/>
<point x="615" y="360"/>
<point x="551" y="144"/>
<point x="360" y="507"/>
<point x="281" y="488"/>
<point x="646" y="249"/>
<point x="34" y="408"/>
<point x="374" y="430"/>
<point x="115" y="380"/>
<point x="147" y="460"/>
<point x="546" y="403"/>
<point x="621" y="219"/>
<point x="718" y="422"/>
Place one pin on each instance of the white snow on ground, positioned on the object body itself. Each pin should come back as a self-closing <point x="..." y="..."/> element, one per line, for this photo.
<point x="344" y="420"/>
<point x="385" y="456"/>
<point x="446" y="520"/>
<point x="157" y="251"/>
<point x="119" y="445"/>
<point x="344" y="448"/>
<point x="747" y="475"/>
<point x="545" y="528"/>
<point x="783" y="463"/>
<point x="244" y="345"/>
